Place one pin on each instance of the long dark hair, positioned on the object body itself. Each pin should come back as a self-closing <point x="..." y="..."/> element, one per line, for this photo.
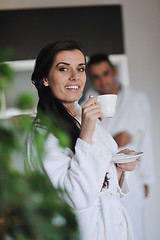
<point x="48" y="103"/>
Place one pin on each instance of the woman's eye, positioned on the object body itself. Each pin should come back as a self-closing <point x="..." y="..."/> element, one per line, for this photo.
<point x="63" y="69"/>
<point x="81" y="69"/>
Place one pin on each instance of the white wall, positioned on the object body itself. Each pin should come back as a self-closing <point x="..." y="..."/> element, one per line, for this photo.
<point x="142" y="40"/>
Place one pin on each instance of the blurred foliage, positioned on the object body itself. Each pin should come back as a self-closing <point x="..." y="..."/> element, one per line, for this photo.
<point x="25" y="101"/>
<point x="6" y="54"/>
<point x="30" y="207"/>
<point x="6" y="76"/>
<point x="6" y="72"/>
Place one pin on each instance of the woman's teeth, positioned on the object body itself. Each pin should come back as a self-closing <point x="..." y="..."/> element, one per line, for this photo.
<point x="72" y="87"/>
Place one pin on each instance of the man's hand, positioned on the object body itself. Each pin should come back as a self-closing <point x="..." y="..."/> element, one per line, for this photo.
<point x="146" y="190"/>
<point x="122" y="139"/>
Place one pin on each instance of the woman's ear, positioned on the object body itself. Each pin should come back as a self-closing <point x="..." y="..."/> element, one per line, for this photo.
<point x="45" y="82"/>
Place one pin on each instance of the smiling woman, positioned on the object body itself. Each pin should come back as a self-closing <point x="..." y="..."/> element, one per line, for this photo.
<point x="85" y="171"/>
<point x="59" y="66"/>
<point x="67" y="77"/>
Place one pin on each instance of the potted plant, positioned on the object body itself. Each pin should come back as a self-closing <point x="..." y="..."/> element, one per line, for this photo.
<point x="30" y="207"/>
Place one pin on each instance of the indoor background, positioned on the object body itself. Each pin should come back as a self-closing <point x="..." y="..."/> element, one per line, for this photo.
<point x="141" y="31"/>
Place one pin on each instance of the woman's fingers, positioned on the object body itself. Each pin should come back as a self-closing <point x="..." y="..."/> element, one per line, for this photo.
<point x="138" y="159"/>
<point x="127" y="151"/>
<point x="92" y="113"/>
<point x="91" y="96"/>
<point x="90" y="101"/>
<point x="92" y="107"/>
<point x="127" y="166"/>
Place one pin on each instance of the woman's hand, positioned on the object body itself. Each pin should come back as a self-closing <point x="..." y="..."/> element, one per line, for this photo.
<point x="90" y="113"/>
<point x="128" y="166"/>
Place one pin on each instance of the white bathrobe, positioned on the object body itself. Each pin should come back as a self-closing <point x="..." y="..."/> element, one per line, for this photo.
<point x="99" y="211"/>
<point x="133" y="115"/>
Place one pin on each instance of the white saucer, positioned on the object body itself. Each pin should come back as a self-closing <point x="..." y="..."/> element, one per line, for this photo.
<point x="124" y="158"/>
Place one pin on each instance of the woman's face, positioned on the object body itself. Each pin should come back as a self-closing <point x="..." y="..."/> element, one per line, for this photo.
<point x="67" y="76"/>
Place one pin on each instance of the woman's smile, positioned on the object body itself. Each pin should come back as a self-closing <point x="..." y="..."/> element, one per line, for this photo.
<point x="67" y="77"/>
<point x="73" y="88"/>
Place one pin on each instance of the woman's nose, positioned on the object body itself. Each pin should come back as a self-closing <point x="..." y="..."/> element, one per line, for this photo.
<point x="74" y="76"/>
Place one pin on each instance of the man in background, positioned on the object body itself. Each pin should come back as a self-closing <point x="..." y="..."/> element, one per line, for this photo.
<point x="131" y="128"/>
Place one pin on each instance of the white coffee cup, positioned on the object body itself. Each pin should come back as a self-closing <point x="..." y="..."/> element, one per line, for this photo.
<point x="107" y="104"/>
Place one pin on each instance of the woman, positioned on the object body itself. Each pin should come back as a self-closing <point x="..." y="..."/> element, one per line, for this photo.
<point x="92" y="182"/>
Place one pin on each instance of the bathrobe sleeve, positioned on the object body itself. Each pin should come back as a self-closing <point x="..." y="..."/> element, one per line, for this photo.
<point x="80" y="175"/>
<point x="123" y="188"/>
<point x="104" y="140"/>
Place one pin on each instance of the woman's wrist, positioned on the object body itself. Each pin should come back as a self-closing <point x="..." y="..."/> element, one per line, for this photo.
<point x="86" y="139"/>
<point x="85" y="136"/>
<point x="120" y="174"/>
